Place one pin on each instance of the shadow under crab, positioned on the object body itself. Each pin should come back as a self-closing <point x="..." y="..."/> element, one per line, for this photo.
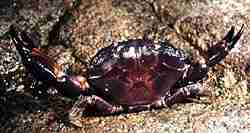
<point x="125" y="77"/>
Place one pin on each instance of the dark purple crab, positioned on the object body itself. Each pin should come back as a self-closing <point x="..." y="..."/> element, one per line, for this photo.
<point x="127" y="76"/>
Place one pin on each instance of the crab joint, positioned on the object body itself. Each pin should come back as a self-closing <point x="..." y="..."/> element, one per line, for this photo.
<point x="80" y="81"/>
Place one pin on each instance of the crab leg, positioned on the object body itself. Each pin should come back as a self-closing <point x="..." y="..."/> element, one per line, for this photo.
<point x="44" y="68"/>
<point x="185" y="92"/>
<point x="218" y="52"/>
<point x="100" y="105"/>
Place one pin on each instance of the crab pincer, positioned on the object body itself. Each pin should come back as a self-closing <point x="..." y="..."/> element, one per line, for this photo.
<point x="44" y="68"/>
<point x="218" y="52"/>
<point x="215" y="54"/>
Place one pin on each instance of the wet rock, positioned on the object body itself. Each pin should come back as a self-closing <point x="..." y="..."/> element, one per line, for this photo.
<point x="37" y="16"/>
<point x="75" y="34"/>
<point x="233" y="119"/>
<point x="7" y="11"/>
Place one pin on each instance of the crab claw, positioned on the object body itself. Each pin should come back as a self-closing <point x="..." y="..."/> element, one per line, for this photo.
<point x="216" y="53"/>
<point x="44" y="68"/>
<point x="38" y="64"/>
<point x="219" y="51"/>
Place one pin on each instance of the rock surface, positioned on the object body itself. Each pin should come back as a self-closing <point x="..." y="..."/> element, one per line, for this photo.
<point x="73" y="30"/>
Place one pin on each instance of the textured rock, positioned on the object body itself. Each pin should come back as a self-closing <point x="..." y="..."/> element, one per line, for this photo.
<point x="73" y="35"/>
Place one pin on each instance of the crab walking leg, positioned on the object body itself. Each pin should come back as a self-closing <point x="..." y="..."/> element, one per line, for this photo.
<point x="98" y="103"/>
<point x="137" y="108"/>
<point x="166" y="101"/>
<point x="185" y="92"/>
<point x="104" y="108"/>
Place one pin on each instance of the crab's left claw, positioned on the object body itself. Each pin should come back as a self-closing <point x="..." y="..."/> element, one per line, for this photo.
<point x="215" y="54"/>
<point x="219" y="51"/>
<point x="44" y="68"/>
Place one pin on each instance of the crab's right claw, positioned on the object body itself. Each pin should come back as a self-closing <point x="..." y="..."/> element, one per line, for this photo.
<point x="38" y="64"/>
<point x="44" y="68"/>
<point x="219" y="51"/>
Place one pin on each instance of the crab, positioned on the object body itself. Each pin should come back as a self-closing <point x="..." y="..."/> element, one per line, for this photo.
<point x="128" y="76"/>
